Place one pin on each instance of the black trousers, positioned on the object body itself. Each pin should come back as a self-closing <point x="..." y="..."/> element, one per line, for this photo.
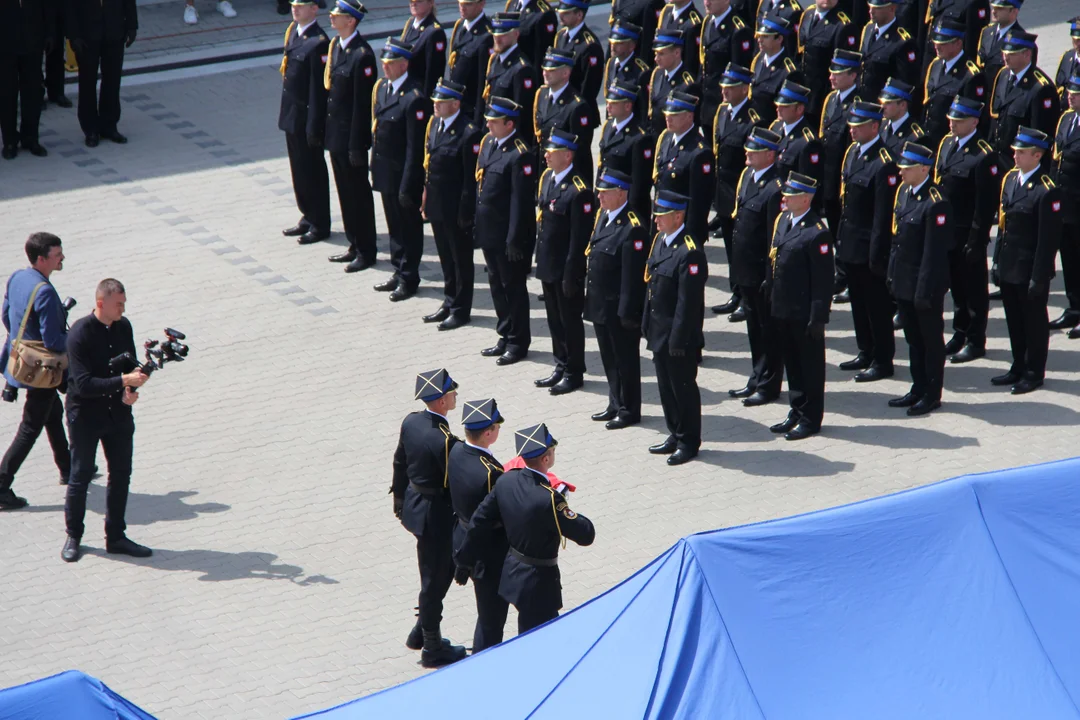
<point x="834" y="209"/>
<point x="1070" y="262"/>
<point x="923" y="330"/>
<point x="434" y="555"/>
<point x="804" y="362"/>
<point x="727" y="227"/>
<point x="406" y="229"/>
<point x="680" y="397"/>
<point x="533" y="613"/>
<point x="566" y="326"/>
<point x="117" y="440"/>
<point x="357" y="203"/>
<point x="20" y="88"/>
<point x="1029" y="329"/>
<point x="99" y="113"/>
<point x="455" y="249"/>
<point x="506" y="279"/>
<point x="55" y="60"/>
<point x="969" y="283"/>
<point x="872" y="313"/>
<point x="766" y="357"/>
<point x="311" y="183"/>
<point x="491" y="609"/>
<point x="41" y="409"/>
<point x="620" y="353"/>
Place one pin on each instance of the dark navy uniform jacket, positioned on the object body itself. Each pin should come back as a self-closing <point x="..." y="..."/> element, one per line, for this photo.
<point x="1066" y="161"/>
<point x="420" y="473"/>
<point x="835" y="139"/>
<point x="353" y="74"/>
<point x="675" y="297"/>
<point x="1029" y="229"/>
<point x="615" y="281"/>
<point x="731" y="40"/>
<point x="450" y="170"/>
<point x="513" y="77"/>
<point x="428" y="61"/>
<point x="537" y="31"/>
<point x="399" y="123"/>
<point x="970" y="180"/>
<point x="729" y="137"/>
<point x="588" y="70"/>
<point x="1032" y="102"/>
<point x="818" y="41"/>
<point x="869" y="181"/>
<point x="303" y="94"/>
<point x="800" y="151"/>
<point x="922" y="236"/>
<point x="629" y="150"/>
<point x="965" y="78"/>
<point x="768" y="78"/>
<point x="801" y="270"/>
<point x="685" y="166"/>
<point x="473" y="473"/>
<point x="505" y="195"/>
<point x="756" y="210"/>
<point x="565" y="212"/>
<point x="894" y="54"/>
<point x="467" y="63"/>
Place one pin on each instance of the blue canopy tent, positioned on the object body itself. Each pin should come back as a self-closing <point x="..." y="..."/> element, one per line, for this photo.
<point x="957" y="600"/>
<point x="70" y="695"/>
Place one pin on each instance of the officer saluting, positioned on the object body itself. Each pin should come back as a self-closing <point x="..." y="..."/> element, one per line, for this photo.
<point x="950" y="74"/>
<point x="671" y="323"/>
<point x="1029" y="232"/>
<point x="626" y="65"/>
<point x="724" y="39"/>
<point x="918" y="275"/>
<point x="557" y="105"/>
<point x="472" y="472"/>
<point x="510" y="73"/>
<point x="669" y="75"/>
<point x="399" y="120"/>
<point x="626" y="147"/>
<point x="1022" y="95"/>
<point x="683" y="162"/>
<point x="565" y="211"/>
<point x="771" y="66"/>
<point x="422" y="503"/>
<point x="800" y="284"/>
<point x="1067" y="176"/>
<point x="426" y="37"/>
<point x="470" y="47"/>
<point x="615" y="294"/>
<point x="537" y="520"/>
<point x="350" y="76"/>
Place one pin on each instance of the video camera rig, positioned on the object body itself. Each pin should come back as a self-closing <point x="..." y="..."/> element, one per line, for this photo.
<point x="158" y="352"/>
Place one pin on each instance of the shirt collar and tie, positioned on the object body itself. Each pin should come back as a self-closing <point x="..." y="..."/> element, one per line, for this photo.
<point x="720" y="18"/>
<point x="1024" y="177"/>
<point x="1003" y="31"/>
<point x="736" y="108"/>
<point x="558" y="177"/>
<point x="769" y="60"/>
<point x="670" y="238"/>
<point x="554" y="94"/>
<point x="961" y="142"/>
<point x="445" y="123"/>
<point x="300" y="30"/>
<point x="881" y="30"/>
<point x="795" y="220"/>
<point x="345" y="43"/>
<point x="895" y="125"/>
<point x="506" y="53"/>
<point x="844" y="93"/>
<point x="759" y="173"/>
<point x="619" y="125"/>
<point x="1018" y="76"/>
<point x="865" y="147"/>
<point x="671" y="76"/>
<point x="614" y="214"/>
<point x="470" y="24"/>
<point x="950" y="64"/>
<point x="571" y="33"/>
<point x="915" y="189"/>
<point x="396" y="84"/>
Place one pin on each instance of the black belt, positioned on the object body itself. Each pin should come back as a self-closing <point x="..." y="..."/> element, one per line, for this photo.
<point x="426" y="492"/>
<point x="535" y="562"/>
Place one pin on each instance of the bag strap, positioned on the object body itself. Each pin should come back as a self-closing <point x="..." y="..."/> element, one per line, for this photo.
<point x="29" y="307"/>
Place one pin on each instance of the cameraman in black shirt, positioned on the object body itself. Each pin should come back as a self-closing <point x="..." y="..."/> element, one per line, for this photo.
<point x="99" y="401"/>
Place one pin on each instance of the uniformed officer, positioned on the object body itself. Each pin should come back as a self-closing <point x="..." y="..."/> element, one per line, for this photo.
<point x="671" y="323"/>
<point x="967" y="174"/>
<point x="1029" y="233"/>
<point x="505" y="227"/>
<point x="565" y="213"/>
<point x="888" y="50"/>
<point x="899" y="124"/>
<point x="615" y="295"/>
<point x="800" y="149"/>
<point x="683" y="162"/>
<point x="732" y="125"/>
<point x="644" y="14"/>
<point x="99" y="33"/>
<point x="427" y="38"/>
<point x="950" y="74"/>
<point x="791" y="12"/>
<point x="576" y="38"/>
<point x="757" y="207"/>
<point x="682" y="17"/>
<point x="833" y="129"/>
<point x="510" y="73"/>
<point x="1003" y="14"/>
<point x="422" y="503"/>
<point x="303" y="119"/>
<point x="537" y="520"/>
<point x="470" y="47"/>
<point x="625" y="65"/>
<point x="771" y="66"/>
<point x="472" y="472"/>
<point x="1069" y="66"/>
<point x="350" y="75"/>
<point x="1066" y="165"/>
<point x="558" y="105"/>
<point x="626" y="147"/>
<point x="799" y="283"/>
<point x="451" y="147"/>
<point x="1022" y="95"/>
<point x="25" y="28"/>
<point x="669" y="75"/>
<point x="822" y="31"/>
<point x="869" y="181"/>
<point x="922" y="235"/>
<point x="724" y="39"/>
<point x="538" y="27"/>
<point x="399" y="120"/>
<point x="968" y="17"/>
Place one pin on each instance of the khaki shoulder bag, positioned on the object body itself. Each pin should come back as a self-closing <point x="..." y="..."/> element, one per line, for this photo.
<point x="31" y="363"/>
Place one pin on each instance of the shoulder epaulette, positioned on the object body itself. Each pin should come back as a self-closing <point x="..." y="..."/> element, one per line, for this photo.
<point x="774" y="123"/>
<point x="687" y="78"/>
<point x="1014" y="170"/>
<point x="521" y="146"/>
<point x="653" y="74"/>
<point x="904" y="34"/>
<point x="974" y="68"/>
<point x="754" y="117"/>
<point x="633" y="219"/>
<point x="547" y="171"/>
<point x="641" y="63"/>
<point x="935" y="195"/>
<point x="690" y="244"/>
<point x="819" y="225"/>
<point x="588" y="37"/>
<point x="916" y="130"/>
<point x="843" y="17"/>
<point x="580" y="184"/>
<point x="1047" y="182"/>
<point x="1041" y="78"/>
<point x="883" y="153"/>
<point x="561" y="31"/>
<point x="436" y="25"/>
<point x="695" y="17"/>
<point x="789" y="65"/>
<point x="737" y="22"/>
<point x="808" y="135"/>
<point x="985" y="147"/>
<point x="663" y="133"/>
<point x="544" y="7"/>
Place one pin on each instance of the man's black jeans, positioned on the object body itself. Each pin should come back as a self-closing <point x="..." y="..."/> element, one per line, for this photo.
<point x="42" y="409"/>
<point x="116" y="437"/>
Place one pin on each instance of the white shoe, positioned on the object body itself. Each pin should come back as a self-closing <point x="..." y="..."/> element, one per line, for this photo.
<point x="191" y="16"/>
<point x="225" y="8"/>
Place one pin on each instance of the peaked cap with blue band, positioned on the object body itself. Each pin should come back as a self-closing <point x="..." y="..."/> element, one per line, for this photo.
<point x="1031" y="139"/>
<point x="947" y="30"/>
<point x="773" y="26"/>
<point x="623" y="30"/>
<point x="914" y="154"/>
<point x="532" y="442"/>
<point x="797" y="184"/>
<point x="963" y="108"/>
<point x="396" y="49"/>
<point x="864" y="112"/>
<point x="679" y="102"/>
<point x="561" y="140"/>
<point x="667" y="38"/>
<point x="736" y="75"/>
<point x="566" y="5"/>
<point x="433" y="384"/>
<point x="481" y="414"/>
<point x="555" y="58"/>
<point x="668" y="202"/>
<point x="446" y="89"/>
<point x="761" y="139"/>
<point x="792" y="93"/>
<point x="896" y="89"/>
<point x="621" y="91"/>
<point x="1017" y="41"/>
<point x="845" y="61"/>
<point x="500" y="108"/>
<point x="353" y="8"/>
<point x="504" y="22"/>
<point x="613" y="180"/>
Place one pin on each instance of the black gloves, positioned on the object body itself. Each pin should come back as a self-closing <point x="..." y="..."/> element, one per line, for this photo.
<point x="314" y="142"/>
<point x="130" y="38"/>
<point x="815" y="330"/>
<point x="399" y="505"/>
<point x="461" y="575"/>
<point x="357" y="159"/>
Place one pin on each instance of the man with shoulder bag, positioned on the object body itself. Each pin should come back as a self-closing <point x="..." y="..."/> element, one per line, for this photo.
<point x="33" y="359"/>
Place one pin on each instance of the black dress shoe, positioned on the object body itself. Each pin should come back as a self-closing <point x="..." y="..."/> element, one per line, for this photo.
<point x="510" y="357"/>
<point x="60" y="101"/>
<point x="10" y="501"/>
<point x="540" y="297"/>
<point x="345" y="257"/>
<point x="311" y="237"/>
<point x="759" y="398"/>
<point x="842" y="297"/>
<point x="744" y="392"/>
<point x="1068" y="319"/>
<point x="415" y="641"/>
<point x="618" y="423"/>
<point x="123" y="546"/>
<point x="35" y="148"/>
<point x="782" y="427"/>
<point x="387" y="285"/>
<point x="1074" y="333"/>
<point x="729" y="307"/>
<point x="859" y="362"/>
<point x="568" y="384"/>
<point x="495" y="350"/>
<point x="925" y="406"/>
<point x="801" y="432"/>
<point x="65" y="479"/>
<point x="9" y="152"/>
<point x="968" y="353"/>
<point x="680" y="456"/>
<point x="873" y="374"/>
<point x="360" y="263"/>
<point x="956" y="344"/>
<point x="453" y="323"/>
<point x="71" y="551"/>
<point x="665" y="448"/>
<point x="738" y="316"/>
<point x="296" y="230"/>
<point x="401" y="293"/>
<point x="609" y="414"/>
<point x="1010" y="378"/>
<point x="905" y="401"/>
<point x="897" y="322"/>
<point x="551" y="380"/>
<point x="1026" y="385"/>
<point x="114" y="136"/>
<point x="438" y="316"/>
<point x="444" y="653"/>
<point x="93" y="140"/>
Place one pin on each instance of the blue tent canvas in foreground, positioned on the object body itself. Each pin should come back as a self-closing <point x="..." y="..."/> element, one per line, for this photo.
<point x="959" y="600"/>
<point x="70" y="695"/>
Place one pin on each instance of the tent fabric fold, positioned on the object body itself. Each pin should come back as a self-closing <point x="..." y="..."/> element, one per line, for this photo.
<point x="70" y="695"/>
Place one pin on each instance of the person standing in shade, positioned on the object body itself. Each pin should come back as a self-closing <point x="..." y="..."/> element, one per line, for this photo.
<point x="644" y="14"/>
<point x="671" y="323"/>
<point x="833" y="130"/>
<point x="1069" y="65"/>
<point x="350" y="75"/>
<point x="470" y="47"/>
<point x="399" y="120"/>
<point x="576" y="38"/>
<point x="426" y="37"/>
<point x="800" y="149"/>
<point x="918" y="275"/>
<point x="99" y="31"/>
<point x="303" y="120"/>
<point x="682" y="17"/>
<point x="557" y="105"/>
<point x="888" y="50"/>
<point x="822" y="31"/>
<point x="1066" y="165"/>
<point x="26" y="29"/>
<point x="420" y="487"/>
<point x="898" y="125"/>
